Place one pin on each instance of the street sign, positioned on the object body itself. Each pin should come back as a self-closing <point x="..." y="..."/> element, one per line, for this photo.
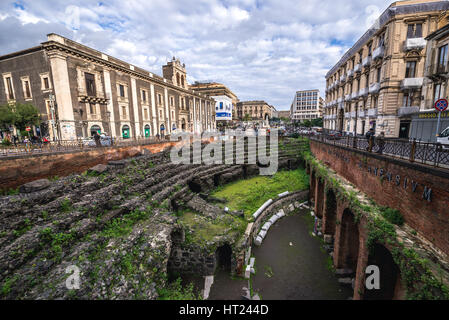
<point x="27" y="128"/>
<point x="441" y="105"/>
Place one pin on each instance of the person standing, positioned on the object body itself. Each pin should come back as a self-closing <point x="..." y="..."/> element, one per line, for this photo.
<point x="370" y="138"/>
<point x="380" y="141"/>
<point x="97" y="139"/>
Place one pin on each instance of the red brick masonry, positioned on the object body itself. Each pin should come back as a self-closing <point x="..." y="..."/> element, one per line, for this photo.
<point x="419" y="192"/>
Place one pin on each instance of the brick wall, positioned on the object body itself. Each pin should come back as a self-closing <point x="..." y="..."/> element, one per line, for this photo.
<point x="420" y="193"/>
<point x="19" y="170"/>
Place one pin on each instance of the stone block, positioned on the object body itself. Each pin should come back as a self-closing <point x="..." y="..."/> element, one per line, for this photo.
<point x="281" y="195"/>
<point x="262" y="234"/>
<point x="34" y="186"/>
<point x="266" y="226"/>
<point x="252" y="261"/>
<point x="273" y="219"/>
<point x="296" y="204"/>
<point x="98" y="169"/>
<point x="280" y="214"/>
<point x="248" y="272"/>
<point x="258" y="241"/>
<point x="328" y="239"/>
<point x="291" y="208"/>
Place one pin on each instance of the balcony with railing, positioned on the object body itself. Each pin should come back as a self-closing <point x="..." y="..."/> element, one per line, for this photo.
<point x="347" y="97"/>
<point x="350" y="74"/>
<point x="343" y="78"/>
<point x="341" y="105"/>
<point x="363" y="92"/>
<point x="358" y="68"/>
<point x="354" y="95"/>
<point x="366" y="62"/>
<point x="378" y="53"/>
<point x="372" y="113"/>
<point x="406" y="111"/>
<point x="347" y="115"/>
<point x="412" y="83"/>
<point x="362" y="114"/>
<point x="374" y="88"/>
<point x="438" y="70"/>
<point x="414" y="43"/>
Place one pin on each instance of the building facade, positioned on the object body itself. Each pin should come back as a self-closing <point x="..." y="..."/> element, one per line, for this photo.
<point x="424" y="124"/>
<point x="256" y="111"/>
<point x="225" y="99"/>
<point x="79" y="90"/>
<point x="307" y="105"/>
<point x="284" y="114"/>
<point x="378" y="82"/>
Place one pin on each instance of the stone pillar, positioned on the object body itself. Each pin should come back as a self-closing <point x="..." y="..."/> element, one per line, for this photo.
<point x="110" y="106"/>
<point x="167" y="112"/>
<point x="134" y="95"/>
<point x="153" y="112"/>
<point x="59" y="69"/>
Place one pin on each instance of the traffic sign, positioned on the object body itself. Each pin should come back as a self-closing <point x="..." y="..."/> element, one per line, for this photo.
<point x="441" y="105"/>
<point x="27" y="128"/>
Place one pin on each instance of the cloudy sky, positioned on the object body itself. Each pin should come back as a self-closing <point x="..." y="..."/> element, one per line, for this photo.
<point x="260" y="49"/>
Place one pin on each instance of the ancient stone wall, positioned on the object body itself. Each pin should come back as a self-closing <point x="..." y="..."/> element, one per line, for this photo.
<point x="16" y="171"/>
<point x="420" y="193"/>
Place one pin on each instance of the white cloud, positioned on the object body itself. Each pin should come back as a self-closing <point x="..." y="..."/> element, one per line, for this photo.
<point x="261" y="50"/>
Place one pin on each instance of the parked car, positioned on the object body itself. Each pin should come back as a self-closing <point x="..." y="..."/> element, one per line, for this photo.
<point x="334" y="135"/>
<point x="443" y="138"/>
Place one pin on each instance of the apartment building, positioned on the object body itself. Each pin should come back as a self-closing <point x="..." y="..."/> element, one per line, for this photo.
<point x="79" y="90"/>
<point x="378" y="82"/>
<point x="307" y="105"/>
<point x="225" y="99"/>
<point x="424" y="124"/>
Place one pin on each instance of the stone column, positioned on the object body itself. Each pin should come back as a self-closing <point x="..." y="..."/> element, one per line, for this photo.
<point x="59" y="69"/>
<point x="135" y="107"/>
<point x="153" y="112"/>
<point x="110" y="106"/>
<point x="167" y="112"/>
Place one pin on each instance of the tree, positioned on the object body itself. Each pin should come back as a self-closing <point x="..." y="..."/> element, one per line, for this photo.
<point x="307" y="123"/>
<point x="7" y="117"/>
<point x="25" y="115"/>
<point x="247" y="117"/>
<point x="317" y="122"/>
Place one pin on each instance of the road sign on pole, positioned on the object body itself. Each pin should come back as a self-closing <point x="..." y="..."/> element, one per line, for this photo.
<point x="28" y="129"/>
<point x="440" y="106"/>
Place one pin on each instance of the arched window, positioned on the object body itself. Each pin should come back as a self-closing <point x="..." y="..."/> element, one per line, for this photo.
<point x="125" y="132"/>
<point x="94" y="129"/>
<point x="182" y="81"/>
<point x="147" y="131"/>
<point x="177" y="79"/>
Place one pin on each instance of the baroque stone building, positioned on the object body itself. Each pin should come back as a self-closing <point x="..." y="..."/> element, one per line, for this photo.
<point x="378" y="82"/>
<point x="255" y="111"/>
<point x="79" y="90"/>
<point x="307" y="105"/>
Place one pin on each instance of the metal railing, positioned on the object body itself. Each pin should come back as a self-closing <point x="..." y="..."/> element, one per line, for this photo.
<point x="433" y="154"/>
<point x="20" y="149"/>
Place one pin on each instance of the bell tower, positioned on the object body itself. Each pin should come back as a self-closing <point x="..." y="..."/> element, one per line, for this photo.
<point x="176" y="73"/>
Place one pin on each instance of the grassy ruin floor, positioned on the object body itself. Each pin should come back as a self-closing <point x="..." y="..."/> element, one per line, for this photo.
<point x="248" y="195"/>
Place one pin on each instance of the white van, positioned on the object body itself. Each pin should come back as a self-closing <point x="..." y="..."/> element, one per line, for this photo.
<point x="443" y="138"/>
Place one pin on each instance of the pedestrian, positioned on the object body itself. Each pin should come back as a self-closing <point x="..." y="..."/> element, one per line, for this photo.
<point x="97" y="139"/>
<point x="380" y="141"/>
<point x="370" y="138"/>
<point x="158" y="136"/>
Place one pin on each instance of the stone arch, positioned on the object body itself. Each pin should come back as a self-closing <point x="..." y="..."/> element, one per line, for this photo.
<point x="348" y="243"/>
<point x="330" y="213"/>
<point x="224" y="257"/>
<point x="390" y="276"/>
<point x="95" y="128"/>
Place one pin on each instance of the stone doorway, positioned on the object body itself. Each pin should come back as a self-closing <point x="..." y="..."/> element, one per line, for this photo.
<point x="224" y="258"/>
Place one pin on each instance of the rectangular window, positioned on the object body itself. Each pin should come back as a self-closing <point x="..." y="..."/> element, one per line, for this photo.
<point x="437" y="92"/>
<point x="442" y="56"/>
<point x="410" y="69"/>
<point x="124" y="112"/>
<point x="46" y="83"/>
<point x="90" y="84"/>
<point x="27" y="89"/>
<point x="9" y="88"/>
<point x="145" y="112"/>
<point x="414" y="31"/>
<point x="144" y="95"/>
<point x="91" y="108"/>
<point x="159" y="98"/>
<point x="172" y="102"/>
<point x="379" y="71"/>
<point x="407" y="100"/>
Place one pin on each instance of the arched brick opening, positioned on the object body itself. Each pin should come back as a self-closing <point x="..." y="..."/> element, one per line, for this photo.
<point x="319" y="201"/>
<point x="330" y="213"/>
<point x="224" y="257"/>
<point x="390" y="276"/>
<point x="349" y="242"/>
